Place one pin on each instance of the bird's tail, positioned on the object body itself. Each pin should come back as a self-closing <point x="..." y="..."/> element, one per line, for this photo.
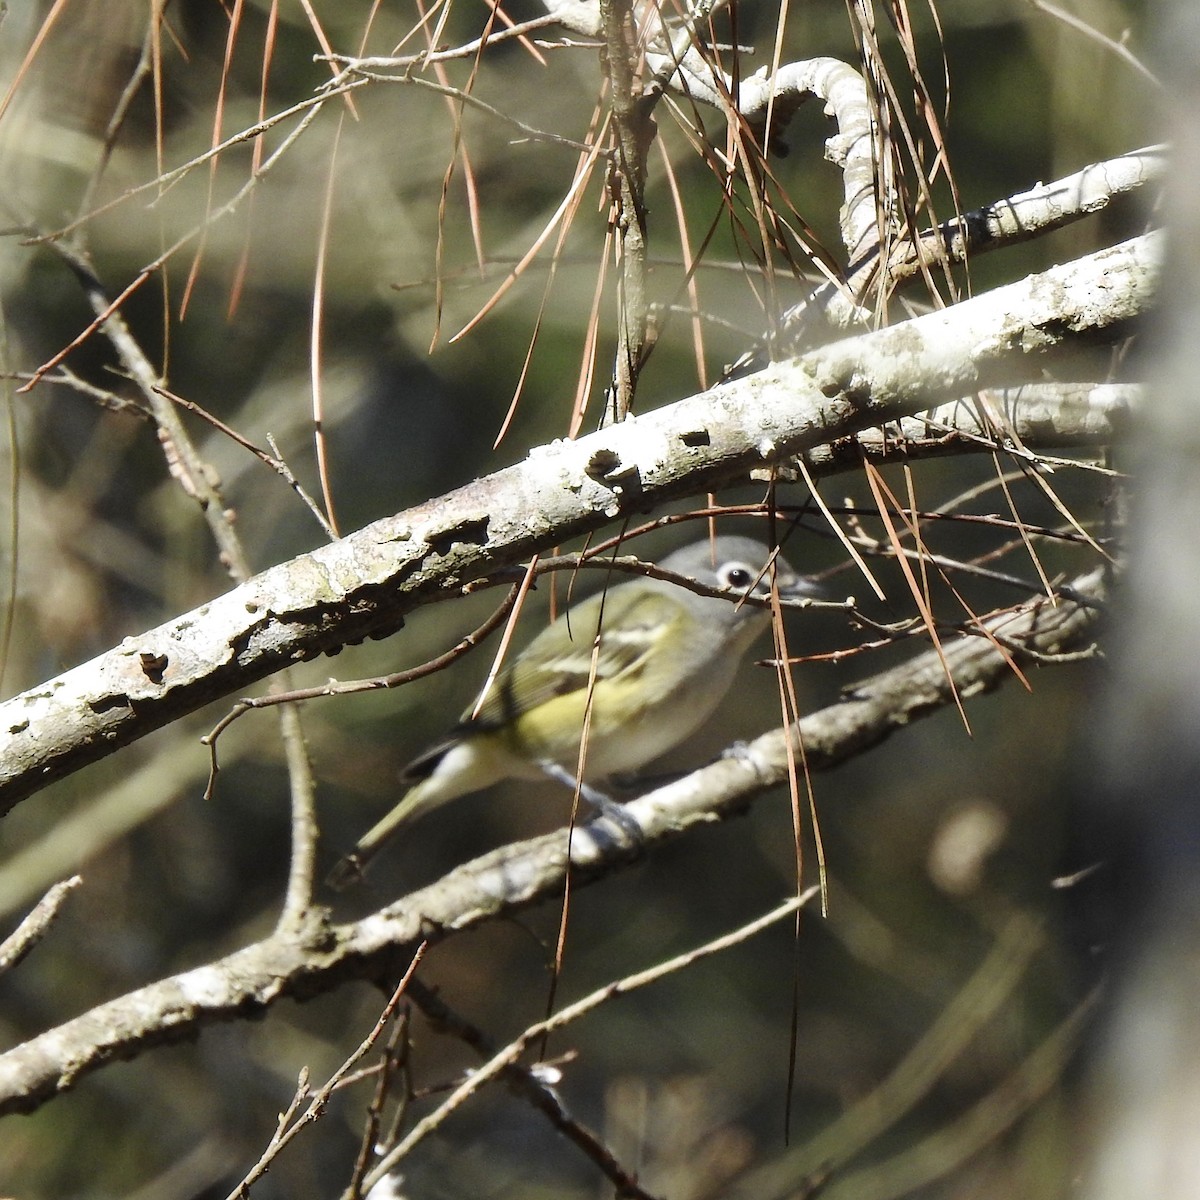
<point x="350" y="869"/>
<point x="453" y="768"/>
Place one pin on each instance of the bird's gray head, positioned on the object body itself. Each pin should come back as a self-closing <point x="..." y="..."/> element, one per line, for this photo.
<point x="738" y="565"/>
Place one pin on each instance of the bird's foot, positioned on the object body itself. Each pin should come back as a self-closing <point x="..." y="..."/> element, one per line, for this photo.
<point x="605" y="805"/>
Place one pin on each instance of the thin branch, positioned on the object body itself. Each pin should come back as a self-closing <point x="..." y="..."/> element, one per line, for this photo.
<point x="507" y="1057"/>
<point x="199" y="482"/>
<point x="36" y="924"/>
<point x="1119" y="48"/>
<point x="274" y="460"/>
<point x="193" y="474"/>
<point x="472" y="101"/>
<point x="291" y="1124"/>
<point x="531" y="1084"/>
<point x="371" y="65"/>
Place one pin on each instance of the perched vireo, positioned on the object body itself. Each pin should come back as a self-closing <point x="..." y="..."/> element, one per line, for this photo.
<point x="650" y="657"/>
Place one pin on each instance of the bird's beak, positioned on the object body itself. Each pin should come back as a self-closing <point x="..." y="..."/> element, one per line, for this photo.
<point x="801" y="587"/>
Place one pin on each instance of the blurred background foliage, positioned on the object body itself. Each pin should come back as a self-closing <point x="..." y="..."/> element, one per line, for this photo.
<point x="939" y="845"/>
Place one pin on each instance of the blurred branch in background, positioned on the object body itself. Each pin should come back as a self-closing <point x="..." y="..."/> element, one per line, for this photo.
<point x="1145" y="787"/>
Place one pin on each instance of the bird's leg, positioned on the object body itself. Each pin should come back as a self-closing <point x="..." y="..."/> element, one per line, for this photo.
<point x="598" y="800"/>
<point x="606" y="806"/>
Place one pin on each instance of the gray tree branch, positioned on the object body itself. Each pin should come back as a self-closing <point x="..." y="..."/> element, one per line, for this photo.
<point x="302" y="961"/>
<point x="362" y="585"/>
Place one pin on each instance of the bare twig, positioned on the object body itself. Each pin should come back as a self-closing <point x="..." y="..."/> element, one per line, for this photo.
<point x="532" y="1085"/>
<point x="274" y="460"/>
<point x="291" y="1124"/>
<point x="36" y="924"/>
<point x="505" y="1058"/>
<point x="1119" y="48"/>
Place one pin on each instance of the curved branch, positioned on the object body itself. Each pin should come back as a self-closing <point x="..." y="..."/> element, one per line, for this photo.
<point x="830" y="309"/>
<point x="677" y="63"/>
<point x="781" y="93"/>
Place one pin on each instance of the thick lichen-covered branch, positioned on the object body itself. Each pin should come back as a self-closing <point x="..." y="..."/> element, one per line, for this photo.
<point x="362" y="585"/>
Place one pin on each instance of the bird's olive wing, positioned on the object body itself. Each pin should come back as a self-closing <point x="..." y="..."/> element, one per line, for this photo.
<point x="559" y="660"/>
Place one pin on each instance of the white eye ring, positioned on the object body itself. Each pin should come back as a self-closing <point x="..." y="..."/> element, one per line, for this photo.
<point x="737" y="575"/>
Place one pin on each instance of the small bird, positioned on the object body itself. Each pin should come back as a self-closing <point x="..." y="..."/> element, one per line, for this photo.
<point x="642" y="665"/>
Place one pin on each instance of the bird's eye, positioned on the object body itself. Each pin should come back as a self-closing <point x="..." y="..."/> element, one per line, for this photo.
<point x="735" y="575"/>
